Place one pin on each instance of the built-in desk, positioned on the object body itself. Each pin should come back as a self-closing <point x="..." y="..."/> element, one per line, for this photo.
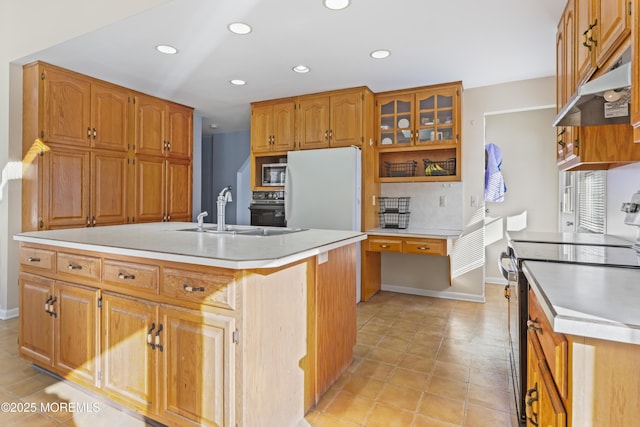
<point x="407" y="241"/>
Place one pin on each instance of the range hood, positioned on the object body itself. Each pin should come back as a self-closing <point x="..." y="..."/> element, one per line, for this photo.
<point x="587" y="105"/>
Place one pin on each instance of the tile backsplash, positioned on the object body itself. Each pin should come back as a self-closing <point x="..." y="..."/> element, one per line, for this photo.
<point x="434" y="205"/>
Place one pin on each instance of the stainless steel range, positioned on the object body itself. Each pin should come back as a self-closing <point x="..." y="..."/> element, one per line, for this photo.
<point x="267" y="208"/>
<point x="574" y="248"/>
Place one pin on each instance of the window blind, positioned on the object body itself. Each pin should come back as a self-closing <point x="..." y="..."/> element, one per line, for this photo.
<point x="591" y="201"/>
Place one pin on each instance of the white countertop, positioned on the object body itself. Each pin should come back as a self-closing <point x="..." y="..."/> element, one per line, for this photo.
<point x="164" y="241"/>
<point x="590" y="301"/>
<point x="568" y="238"/>
<point x="432" y="233"/>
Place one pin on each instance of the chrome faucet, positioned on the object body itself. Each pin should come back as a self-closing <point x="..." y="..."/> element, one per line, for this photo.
<point x="223" y="198"/>
<point x="201" y="216"/>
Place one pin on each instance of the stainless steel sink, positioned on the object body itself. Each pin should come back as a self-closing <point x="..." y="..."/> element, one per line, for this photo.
<point x="246" y="230"/>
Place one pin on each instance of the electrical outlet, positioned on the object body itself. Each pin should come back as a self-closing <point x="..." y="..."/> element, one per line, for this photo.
<point x="443" y="201"/>
<point x="474" y="201"/>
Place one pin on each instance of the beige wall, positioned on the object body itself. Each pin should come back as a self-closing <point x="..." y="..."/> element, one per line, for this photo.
<point x="425" y="276"/>
<point x="530" y="173"/>
<point x="28" y="26"/>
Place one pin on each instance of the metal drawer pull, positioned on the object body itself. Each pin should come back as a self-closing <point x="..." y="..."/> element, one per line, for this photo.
<point x="51" y="312"/>
<point x="158" y="345"/>
<point x="531" y="324"/>
<point x="385" y="246"/>
<point x="33" y="259"/>
<point x="534" y="416"/>
<point x="188" y="288"/>
<point x="74" y="267"/>
<point x="150" y="336"/>
<point x="126" y="276"/>
<point x="47" y="307"/>
<point x="423" y="248"/>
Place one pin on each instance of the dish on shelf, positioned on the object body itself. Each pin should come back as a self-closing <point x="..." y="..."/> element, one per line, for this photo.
<point x="386" y="141"/>
<point x="403" y="123"/>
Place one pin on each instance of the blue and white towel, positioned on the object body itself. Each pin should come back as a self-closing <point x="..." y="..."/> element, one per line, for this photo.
<point x="494" y="186"/>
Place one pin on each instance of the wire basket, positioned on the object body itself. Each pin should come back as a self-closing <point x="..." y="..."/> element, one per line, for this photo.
<point x="441" y="167"/>
<point x="394" y="204"/>
<point x="394" y="220"/>
<point x="400" y="169"/>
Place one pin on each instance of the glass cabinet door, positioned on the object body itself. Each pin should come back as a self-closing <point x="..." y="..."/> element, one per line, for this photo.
<point x="435" y="116"/>
<point x="396" y="120"/>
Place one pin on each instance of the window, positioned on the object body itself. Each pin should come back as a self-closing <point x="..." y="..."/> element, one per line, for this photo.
<point x="591" y="201"/>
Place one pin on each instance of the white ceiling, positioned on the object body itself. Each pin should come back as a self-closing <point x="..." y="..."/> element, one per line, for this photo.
<point x="481" y="42"/>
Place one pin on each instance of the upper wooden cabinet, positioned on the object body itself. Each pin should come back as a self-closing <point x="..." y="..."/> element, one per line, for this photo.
<point x="419" y="134"/>
<point x="162" y="128"/>
<point x="602" y="26"/>
<point x="565" y="76"/>
<point x="76" y="110"/>
<point x="80" y="137"/>
<point x="273" y="126"/>
<point x="330" y="120"/>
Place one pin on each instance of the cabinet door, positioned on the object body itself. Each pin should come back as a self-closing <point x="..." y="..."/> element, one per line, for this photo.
<point x="109" y="117"/>
<point x="35" y="337"/>
<point x="76" y="333"/>
<point x="151" y="116"/>
<point x="150" y="189"/>
<point x="180" y="132"/>
<point x="346" y="120"/>
<point x="67" y="108"/>
<point x="614" y="26"/>
<point x="585" y="51"/>
<point x="635" y="78"/>
<point x="435" y="116"/>
<point x="66" y="188"/>
<point x="109" y="187"/>
<point x="395" y="118"/>
<point x="129" y="364"/>
<point x="179" y="184"/>
<point x="313" y="122"/>
<point x="261" y="128"/>
<point x="198" y="367"/>
<point x="284" y="126"/>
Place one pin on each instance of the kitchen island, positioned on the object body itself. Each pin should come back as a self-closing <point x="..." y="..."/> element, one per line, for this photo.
<point x="584" y="331"/>
<point x="188" y="327"/>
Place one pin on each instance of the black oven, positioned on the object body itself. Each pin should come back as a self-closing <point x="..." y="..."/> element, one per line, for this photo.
<point x="267" y="209"/>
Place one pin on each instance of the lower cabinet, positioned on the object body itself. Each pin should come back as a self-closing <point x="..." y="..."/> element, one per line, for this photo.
<point x="174" y="362"/>
<point x="59" y="327"/>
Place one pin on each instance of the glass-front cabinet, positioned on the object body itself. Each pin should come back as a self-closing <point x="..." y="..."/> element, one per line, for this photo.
<point x="419" y="135"/>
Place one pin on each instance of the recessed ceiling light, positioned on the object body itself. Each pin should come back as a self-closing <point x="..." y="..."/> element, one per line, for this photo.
<point x="239" y="28"/>
<point x="165" y="48"/>
<point x="301" y="69"/>
<point x="238" y="82"/>
<point x="380" y="54"/>
<point x="336" y="4"/>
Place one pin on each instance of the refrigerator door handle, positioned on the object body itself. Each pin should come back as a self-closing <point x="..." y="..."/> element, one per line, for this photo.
<point x="287" y="194"/>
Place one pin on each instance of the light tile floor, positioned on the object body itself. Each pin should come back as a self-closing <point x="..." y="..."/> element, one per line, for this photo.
<point x="419" y="362"/>
<point x="424" y="362"/>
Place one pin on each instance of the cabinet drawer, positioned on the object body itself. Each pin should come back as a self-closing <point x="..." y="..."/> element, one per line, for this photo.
<point x="39" y="258"/>
<point x="554" y="345"/>
<point x="424" y="246"/>
<point x="141" y="277"/>
<point x="381" y="244"/>
<point x="212" y="289"/>
<point x="78" y="265"/>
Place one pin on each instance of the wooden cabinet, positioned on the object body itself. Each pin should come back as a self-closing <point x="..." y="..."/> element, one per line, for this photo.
<point x="419" y="134"/>
<point x="79" y="139"/>
<point x="602" y="26"/>
<point x="330" y="119"/>
<point x="376" y="244"/>
<point x="273" y="126"/>
<point x="59" y="327"/>
<point x="163" y="189"/>
<point x="565" y="77"/>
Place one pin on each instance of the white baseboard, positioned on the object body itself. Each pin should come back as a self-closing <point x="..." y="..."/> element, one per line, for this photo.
<point x="436" y="294"/>
<point x="495" y="280"/>
<point x="8" y="314"/>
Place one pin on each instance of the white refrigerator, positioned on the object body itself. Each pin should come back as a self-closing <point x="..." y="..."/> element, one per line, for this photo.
<point x="323" y="190"/>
